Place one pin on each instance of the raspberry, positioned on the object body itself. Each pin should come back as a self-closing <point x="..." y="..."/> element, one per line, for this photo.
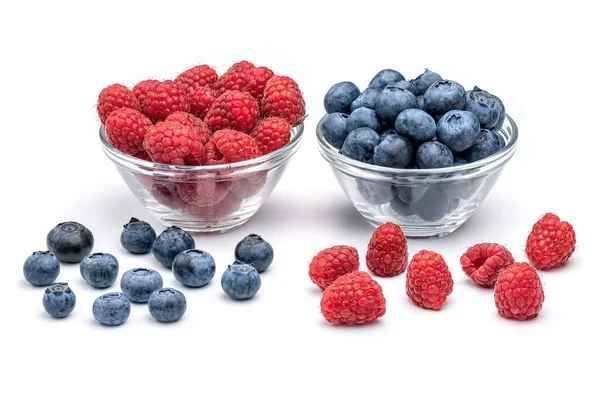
<point x="234" y="78"/>
<point x="282" y="98"/>
<point x="143" y="156"/>
<point x="331" y="263"/>
<point x="165" y="193"/>
<point x="271" y="134"/>
<point x="428" y="280"/>
<point x="256" y="80"/>
<point x="484" y="262"/>
<point x="518" y="292"/>
<point x="196" y="77"/>
<point x="140" y="91"/>
<point x="205" y="192"/>
<point x="233" y="110"/>
<point x="249" y="186"/>
<point x="114" y="97"/>
<point x="224" y="208"/>
<point x="353" y="299"/>
<point x="201" y="100"/>
<point x="550" y="243"/>
<point x="387" y="253"/>
<point x="173" y="143"/>
<point x="195" y="124"/>
<point x="125" y="130"/>
<point x="163" y="99"/>
<point x="228" y="146"/>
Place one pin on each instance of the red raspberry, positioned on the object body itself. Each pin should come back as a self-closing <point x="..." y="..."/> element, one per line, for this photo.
<point x="196" y="77"/>
<point x="518" y="292"/>
<point x="550" y="243"/>
<point x="125" y="130"/>
<point x="173" y="143"/>
<point x="166" y="193"/>
<point x="353" y="299"/>
<point x="282" y="98"/>
<point x="163" y="99"/>
<point x="387" y="253"/>
<point x="114" y="97"/>
<point x="271" y="134"/>
<point x="234" y="78"/>
<point x="140" y="91"/>
<point x="331" y="263"/>
<point x="228" y="146"/>
<point x="484" y="262"/>
<point x="204" y="192"/>
<point x="256" y="80"/>
<point x="233" y="110"/>
<point x="194" y="123"/>
<point x="201" y="100"/>
<point x="224" y="208"/>
<point x="428" y="280"/>
<point x="249" y="186"/>
<point x="143" y="156"/>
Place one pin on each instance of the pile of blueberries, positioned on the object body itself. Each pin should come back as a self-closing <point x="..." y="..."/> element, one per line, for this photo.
<point x="71" y="242"/>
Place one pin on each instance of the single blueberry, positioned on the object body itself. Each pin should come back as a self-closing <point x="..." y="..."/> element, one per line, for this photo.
<point x="256" y="251"/>
<point x="386" y="133"/>
<point x="401" y="208"/>
<point x="41" y="268"/>
<point x="410" y="194"/>
<point x="335" y="129"/>
<point x="404" y="85"/>
<point x="458" y="161"/>
<point x="392" y="101"/>
<point x="137" y="236"/>
<point x="167" y="305"/>
<point x="375" y="192"/>
<point x="384" y="78"/>
<point x="194" y="268"/>
<point x="416" y="125"/>
<point x="458" y="129"/>
<point x="240" y="281"/>
<point x="434" y="155"/>
<point x="486" y="144"/>
<point x="433" y="206"/>
<point x="70" y="242"/>
<point x="363" y="117"/>
<point x="99" y="270"/>
<point x="340" y="96"/>
<point x="171" y="242"/>
<point x="365" y="99"/>
<point x="421" y="102"/>
<point x="483" y="106"/>
<point x="393" y="151"/>
<point x="444" y="96"/>
<point x="111" y="309"/>
<point x="501" y="113"/>
<point x="59" y="300"/>
<point x="139" y="283"/>
<point x="456" y="190"/>
<point x="360" y="144"/>
<point x="452" y="205"/>
<point x="421" y="83"/>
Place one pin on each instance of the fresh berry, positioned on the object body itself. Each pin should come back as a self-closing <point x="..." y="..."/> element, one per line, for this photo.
<point x="224" y="208"/>
<point x="421" y="83"/>
<point x="363" y="117"/>
<point x="283" y="98"/>
<point x="137" y="236"/>
<point x="391" y="101"/>
<point x="139" y="283"/>
<point x="484" y="262"/>
<point x="143" y="156"/>
<point x="196" y="77"/>
<point x="70" y="242"/>
<point x="194" y="268"/>
<point x="416" y="125"/>
<point x="140" y="91"/>
<point x="194" y="123"/>
<point x="353" y="299"/>
<point x="393" y="151"/>
<point x="111" y="309"/>
<point x="256" y="251"/>
<point x="518" y="292"/>
<point x="428" y="280"/>
<point x="483" y="106"/>
<point x="271" y="134"/>
<point x="201" y="100"/>
<point x="166" y="193"/>
<point x="501" y="112"/>
<point x="365" y="99"/>
<point x="59" y="300"/>
<point x="331" y="263"/>
<point x="434" y="155"/>
<point x="125" y="130"/>
<point x="173" y="143"/>
<point x="240" y="281"/>
<point x="433" y="205"/>
<point x="41" y="268"/>
<point x="256" y="80"/>
<point x="241" y="66"/>
<point x="340" y="96"/>
<point x="167" y="305"/>
<point x="163" y="99"/>
<point x="444" y="96"/>
<point x="233" y="110"/>
<point x="99" y="270"/>
<point x="487" y="143"/>
<point x="375" y="192"/>
<point x="360" y="144"/>
<point x="384" y="78"/>
<point x="550" y="243"/>
<point x="171" y="242"/>
<point x="234" y="78"/>
<point x="335" y="129"/>
<point x="387" y="254"/>
<point x="114" y="97"/>
<point x="458" y="129"/>
<point x="203" y="192"/>
<point x="228" y="146"/>
<point x="248" y="186"/>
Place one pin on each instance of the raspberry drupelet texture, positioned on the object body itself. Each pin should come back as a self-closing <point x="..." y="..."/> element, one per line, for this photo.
<point x="518" y="292"/>
<point x="428" y="280"/>
<point x="140" y="91"/>
<point x="233" y="110"/>
<point x="196" y="77"/>
<point x="271" y="134"/>
<point x="173" y="143"/>
<point x="387" y="253"/>
<point x="201" y="100"/>
<point x="331" y="263"/>
<point x="194" y="123"/>
<point x="282" y="98"/>
<point x="203" y="193"/>
<point x="234" y="78"/>
<point x="550" y="243"/>
<point x="163" y="99"/>
<point x="223" y="208"/>
<point x="228" y="146"/>
<point x="112" y="98"/>
<point x="249" y="186"/>
<point x="256" y="80"/>
<point x="353" y="299"/>
<point x="125" y="130"/>
<point x="484" y="262"/>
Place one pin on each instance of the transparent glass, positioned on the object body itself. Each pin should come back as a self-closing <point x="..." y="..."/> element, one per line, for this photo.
<point x="425" y="202"/>
<point x="207" y="199"/>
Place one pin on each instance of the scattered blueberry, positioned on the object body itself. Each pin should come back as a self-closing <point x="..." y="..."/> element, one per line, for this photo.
<point x="111" y="309"/>
<point x="59" y="300"/>
<point x="486" y="144"/>
<point x="458" y="129"/>
<point x="392" y="101"/>
<point x="171" y="242"/>
<point x="240" y="281"/>
<point x="137" y="236"/>
<point x="421" y="83"/>
<point x="444" y="96"/>
<point x="99" y="270"/>
<point x="393" y="151"/>
<point x="194" y="268"/>
<point x="70" y="242"/>
<point x="410" y="194"/>
<point x="401" y="208"/>
<point x="256" y="251"/>
<point x="167" y="305"/>
<point x="335" y="129"/>
<point x="416" y="125"/>
<point x="433" y="206"/>
<point x="483" y="106"/>
<point x="139" y="283"/>
<point x="365" y="99"/>
<point x="375" y="192"/>
<point x="501" y="113"/>
<point x="41" y="268"/>
<point x="434" y="155"/>
<point x="384" y="78"/>
<point x="363" y="117"/>
<point x="404" y="85"/>
<point x="340" y="96"/>
<point x="360" y="144"/>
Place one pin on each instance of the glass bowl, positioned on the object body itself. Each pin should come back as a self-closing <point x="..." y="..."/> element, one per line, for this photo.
<point x="205" y="199"/>
<point x="424" y="202"/>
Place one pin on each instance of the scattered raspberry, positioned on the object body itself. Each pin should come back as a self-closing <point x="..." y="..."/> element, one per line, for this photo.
<point x="249" y="186"/>
<point x="125" y="130"/>
<point x="233" y="110"/>
<point x="550" y="243"/>
<point x="163" y="99"/>
<point x="484" y="262"/>
<point x="428" y="280"/>
<point x="234" y="78"/>
<point x="271" y="134"/>
<point x="353" y="299"/>
<point x="256" y="80"/>
<point x="204" y="192"/>
<point x="228" y="146"/>
<point x="196" y="77"/>
<point x="194" y="123"/>
<point x="282" y="98"/>
<point x="114" y="97"/>
<point x="173" y="143"/>
<point x="224" y="208"/>
<point x="387" y="253"/>
<point x="518" y="292"/>
<point x="201" y="100"/>
<point x="331" y="263"/>
<point x="140" y="91"/>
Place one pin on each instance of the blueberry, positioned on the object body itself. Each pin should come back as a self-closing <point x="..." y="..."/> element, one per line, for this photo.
<point x="421" y="83"/>
<point x="416" y="125"/>
<point x="99" y="270"/>
<point x="384" y="78"/>
<point x="137" y="236"/>
<point x="458" y="161"/>
<point x="171" y="242"/>
<point x="444" y="96"/>
<point x="360" y="144"/>
<point x="456" y="190"/>
<point x="167" y="305"/>
<point x="59" y="300"/>
<point x="139" y="283"/>
<point x="256" y="251"/>
<point x="452" y="205"/>
<point x="434" y="155"/>
<point x="365" y="99"/>
<point x="41" y="268"/>
<point x="194" y="268"/>
<point x="486" y="144"/>
<point x="421" y="102"/>
<point x="433" y="206"/>
<point x="111" y="309"/>
<point x="410" y="194"/>
<point x="404" y="85"/>
<point x="392" y="101"/>
<point x="335" y="129"/>
<point x="240" y="281"/>
<point x="458" y="129"/>
<point x="340" y="96"/>
<point x="374" y="192"/>
<point x="393" y="151"/>
<point x="501" y="113"/>
<point x="386" y="133"/>
<point x="401" y="208"/>
<point x="483" y="106"/>
<point x="70" y="242"/>
<point x="363" y="117"/>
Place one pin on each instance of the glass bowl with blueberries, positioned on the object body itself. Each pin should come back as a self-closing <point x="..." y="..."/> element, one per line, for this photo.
<point x="422" y="153"/>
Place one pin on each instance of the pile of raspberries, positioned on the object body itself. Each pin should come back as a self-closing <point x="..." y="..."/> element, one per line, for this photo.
<point x="352" y="297"/>
<point x="200" y="118"/>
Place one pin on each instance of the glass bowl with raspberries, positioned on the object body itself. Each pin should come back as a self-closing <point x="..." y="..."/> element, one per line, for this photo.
<point x="202" y="151"/>
<point x="423" y="153"/>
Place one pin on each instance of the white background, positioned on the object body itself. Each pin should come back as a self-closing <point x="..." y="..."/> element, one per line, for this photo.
<point x="541" y="60"/>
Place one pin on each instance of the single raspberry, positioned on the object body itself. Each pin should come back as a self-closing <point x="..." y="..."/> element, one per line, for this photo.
<point x="196" y="77"/>
<point x="140" y="91"/>
<point x="550" y="243"/>
<point x="194" y="123"/>
<point x="428" y="280"/>
<point x="203" y="192"/>
<point x="331" y="263"/>
<point x="125" y="130"/>
<point x="233" y="110"/>
<point x="112" y="98"/>
<point x="241" y="66"/>
<point x="256" y="80"/>
<point x="143" y="156"/>
<point x="173" y="143"/>
<point x="518" y="292"/>
<point x="201" y="100"/>
<point x="282" y="98"/>
<point x="271" y="134"/>
<point x="484" y="262"/>
<point x="234" y="78"/>
<point x="353" y="299"/>
<point x="166" y="193"/>
<point x="163" y="99"/>
<point x="387" y="253"/>
<point x="230" y="204"/>
<point x="249" y="186"/>
<point x="228" y="146"/>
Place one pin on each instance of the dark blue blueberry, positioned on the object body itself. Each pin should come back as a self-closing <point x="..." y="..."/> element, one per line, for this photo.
<point x="458" y="129"/>
<point x="393" y="151"/>
<point x="363" y="117"/>
<point x="458" y="161"/>
<point x="137" y="236"/>
<point x="392" y="101"/>
<point x="194" y="268"/>
<point x="434" y="155"/>
<point x="374" y="192"/>
<point x="335" y="129"/>
<point x="410" y="194"/>
<point x="444" y="96"/>
<point x="483" y="106"/>
<point x="401" y="208"/>
<point x="340" y="96"/>
<point x="70" y="242"/>
<point x="99" y="270"/>
<point x="167" y="305"/>
<point x="240" y="281"/>
<point x="404" y="85"/>
<point x="386" y="133"/>
<point x="433" y="206"/>
<point x="111" y="309"/>
<point x="486" y="144"/>
<point x="256" y="251"/>
<point x="139" y="283"/>
<point x="360" y="144"/>
<point x="456" y="190"/>
<point x="384" y="78"/>
<point x="416" y="125"/>
<point x="421" y="102"/>
<point x="365" y="99"/>
<point x="501" y="113"/>
<point x="59" y="300"/>
<point x="421" y="83"/>
<point x="171" y="242"/>
<point x="41" y="268"/>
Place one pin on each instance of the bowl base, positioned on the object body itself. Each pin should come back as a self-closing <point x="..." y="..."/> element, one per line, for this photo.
<point x="204" y="227"/>
<point x="424" y="231"/>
